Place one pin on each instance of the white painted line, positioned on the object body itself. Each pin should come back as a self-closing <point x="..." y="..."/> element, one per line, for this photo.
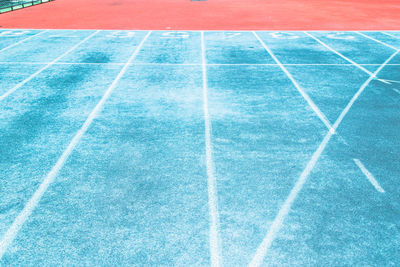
<point x="391" y="35"/>
<point x="34" y="201"/>
<point x="304" y="94"/>
<point x="339" y="54"/>
<point x="262" y="250"/>
<point x="396" y="90"/>
<point x="186" y="64"/>
<point x="351" y="61"/>
<point x="376" y="40"/>
<point x="215" y="250"/>
<point x="19" y="85"/>
<point x="22" y="41"/>
<point x="369" y="176"/>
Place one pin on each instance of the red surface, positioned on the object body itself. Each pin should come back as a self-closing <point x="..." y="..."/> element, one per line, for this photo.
<point x="209" y="15"/>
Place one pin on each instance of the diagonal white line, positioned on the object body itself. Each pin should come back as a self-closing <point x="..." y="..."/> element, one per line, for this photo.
<point x="396" y="90"/>
<point x="339" y="54"/>
<point x="22" y="41"/>
<point x="184" y="64"/>
<point x="376" y="40"/>
<point x="215" y="250"/>
<point x="302" y="92"/>
<point x="369" y="176"/>
<point x="391" y="35"/>
<point x="285" y="209"/>
<point x="349" y="60"/>
<point x="19" y="85"/>
<point x="34" y="200"/>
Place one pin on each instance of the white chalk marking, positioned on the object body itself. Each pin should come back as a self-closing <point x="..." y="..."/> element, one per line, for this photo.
<point x="376" y="40"/>
<point x="369" y="176"/>
<point x="22" y="41"/>
<point x="34" y="201"/>
<point x="215" y="251"/>
<point x="302" y="92"/>
<point x="19" y="85"/>
<point x="285" y="209"/>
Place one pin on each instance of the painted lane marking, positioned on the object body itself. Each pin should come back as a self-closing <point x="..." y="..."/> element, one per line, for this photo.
<point x="192" y="64"/>
<point x="22" y="41"/>
<point x="19" y="85"/>
<point x="369" y="176"/>
<point x="13" y="33"/>
<point x="34" y="200"/>
<point x="178" y="35"/>
<point x="391" y="35"/>
<point x="231" y="35"/>
<point x="341" y="36"/>
<point x="302" y="92"/>
<point x="351" y="61"/>
<point x="121" y="34"/>
<point x="389" y="81"/>
<point x="284" y="35"/>
<point x="376" y="40"/>
<point x="396" y="90"/>
<point x="215" y="250"/>
<point x="339" y="54"/>
<point x="286" y="207"/>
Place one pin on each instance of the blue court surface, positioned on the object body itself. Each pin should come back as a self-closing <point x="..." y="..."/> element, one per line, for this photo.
<point x="135" y="148"/>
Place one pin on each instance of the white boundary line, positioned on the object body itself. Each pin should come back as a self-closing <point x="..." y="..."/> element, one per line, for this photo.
<point x="230" y="30"/>
<point x="376" y="40"/>
<point x="19" y="85"/>
<point x="353" y="62"/>
<point x="304" y="94"/>
<point x="339" y="54"/>
<point x="285" y="209"/>
<point x="391" y="35"/>
<point x="369" y="176"/>
<point x="396" y="90"/>
<point x="11" y="233"/>
<point x="215" y="250"/>
<point x="22" y="41"/>
<point x="187" y="64"/>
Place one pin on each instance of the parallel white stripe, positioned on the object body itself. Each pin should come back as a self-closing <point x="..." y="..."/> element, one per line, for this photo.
<point x="285" y="209"/>
<point x="302" y="92"/>
<point x="369" y="176"/>
<point x="376" y="40"/>
<point x="339" y="54"/>
<point x="215" y="251"/>
<point x="351" y="61"/>
<point x="22" y="41"/>
<point x="187" y="64"/>
<point x="391" y="35"/>
<point x="34" y="201"/>
<point x="19" y="85"/>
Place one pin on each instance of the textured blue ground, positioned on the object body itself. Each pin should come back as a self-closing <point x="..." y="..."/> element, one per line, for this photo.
<point x="134" y="190"/>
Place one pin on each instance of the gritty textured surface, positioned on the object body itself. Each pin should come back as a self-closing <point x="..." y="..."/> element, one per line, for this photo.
<point x="225" y="15"/>
<point x="134" y="191"/>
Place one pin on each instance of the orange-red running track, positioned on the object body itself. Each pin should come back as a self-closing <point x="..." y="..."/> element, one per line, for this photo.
<point x="208" y="15"/>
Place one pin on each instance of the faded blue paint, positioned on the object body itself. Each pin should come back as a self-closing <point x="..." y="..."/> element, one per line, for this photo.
<point x="134" y="191"/>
